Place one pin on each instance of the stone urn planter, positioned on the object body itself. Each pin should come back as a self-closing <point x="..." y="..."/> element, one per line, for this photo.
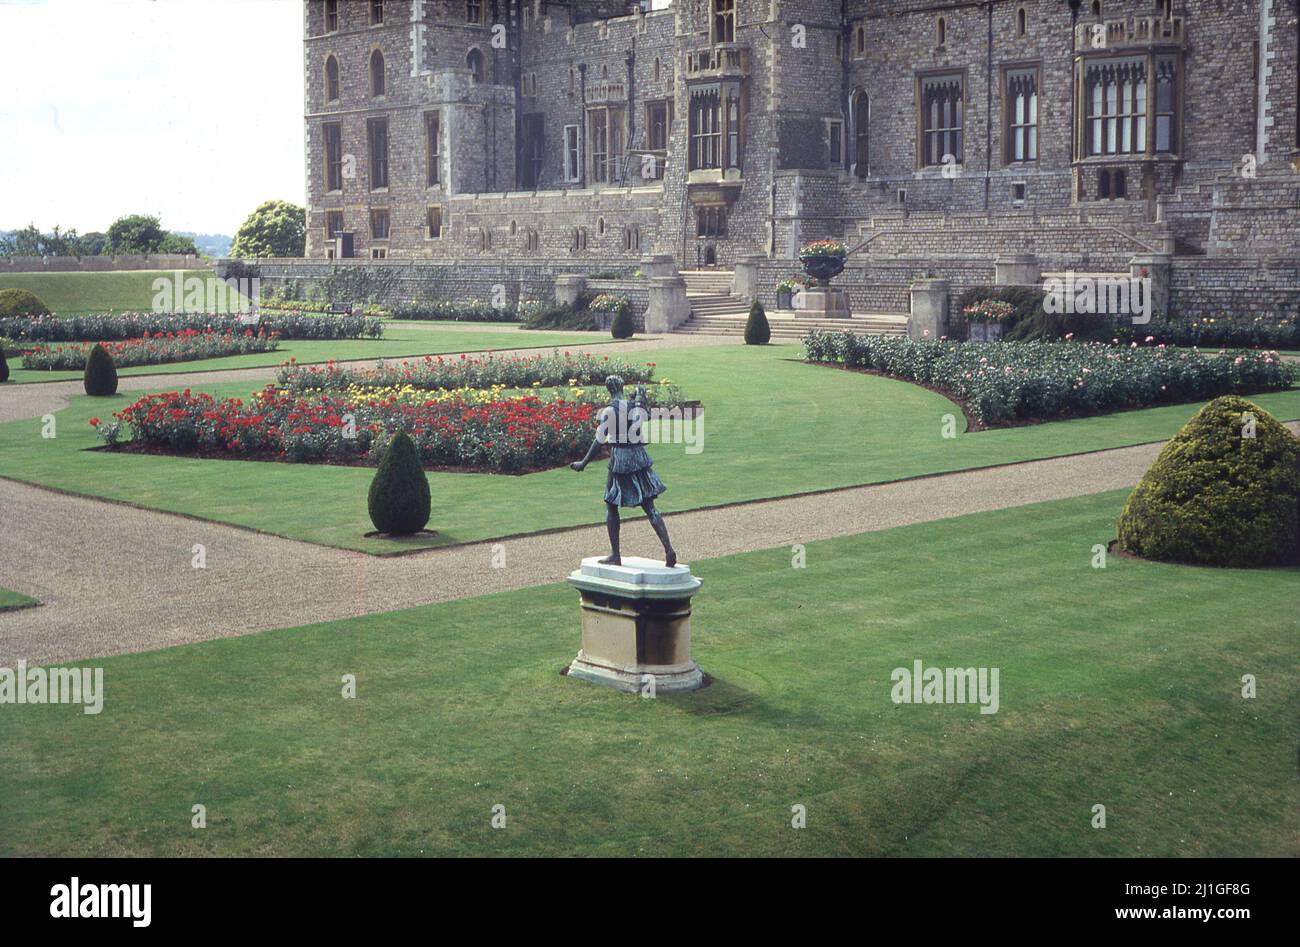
<point x="784" y="299"/>
<point x="986" y="331"/>
<point x="823" y="268"/>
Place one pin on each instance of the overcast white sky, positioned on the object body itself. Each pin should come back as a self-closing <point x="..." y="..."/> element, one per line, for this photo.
<point x="189" y="109"/>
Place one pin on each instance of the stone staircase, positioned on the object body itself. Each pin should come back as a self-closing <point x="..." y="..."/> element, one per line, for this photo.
<point x="787" y="327"/>
<point x="715" y="311"/>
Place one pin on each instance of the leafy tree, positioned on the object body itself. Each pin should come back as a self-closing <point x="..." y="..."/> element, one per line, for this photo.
<point x="135" y="233"/>
<point x="91" y="244"/>
<point x="175" y="243"/>
<point x="276" y="228"/>
<point x="29" y="241"/>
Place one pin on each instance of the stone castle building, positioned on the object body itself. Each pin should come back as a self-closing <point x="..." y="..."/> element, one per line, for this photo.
<point x="550" y="136"/>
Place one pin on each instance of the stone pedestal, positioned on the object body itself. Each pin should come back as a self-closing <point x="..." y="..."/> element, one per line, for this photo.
<point x="744" y="282"/>
<point x="667" y="306"/>
<point x="569" y="288"/>
<point x="1019" y="270"/>
<point x="928" y="318"/>
<point x="821" y="303"/>
<point x="636" y="625"/>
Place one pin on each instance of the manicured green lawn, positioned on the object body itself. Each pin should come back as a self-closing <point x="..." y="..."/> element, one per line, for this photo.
<point x="396" y="343"/>
<point x="10" y="600"/>
<point x="76" y="293"/>
<point x="1118" y="687"/>
<point x="773" y="426"/>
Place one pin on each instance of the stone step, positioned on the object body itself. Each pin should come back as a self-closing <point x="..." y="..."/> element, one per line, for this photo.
<point x="791" y="327"/>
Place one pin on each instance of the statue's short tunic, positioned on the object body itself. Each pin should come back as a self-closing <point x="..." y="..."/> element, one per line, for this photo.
<point x="632" y="480"/>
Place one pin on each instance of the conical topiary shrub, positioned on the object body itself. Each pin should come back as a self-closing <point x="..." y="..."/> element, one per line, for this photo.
<point x="399" y="494"/>
<point x="4" y="368"/>
<point x="757" y="331"/>
<point x="101" y="373"/>
<point x="622" y="327"/>
<point x="1224" y="492"/>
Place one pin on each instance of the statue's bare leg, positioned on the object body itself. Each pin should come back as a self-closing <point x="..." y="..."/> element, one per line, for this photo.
<point x="611" y="525"/>
<point x="661" y="530"/>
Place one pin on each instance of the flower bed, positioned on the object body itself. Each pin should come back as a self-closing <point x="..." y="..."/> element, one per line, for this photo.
<point x="460" y="430"/>
<point x="281" y="304"/>
<point x="1036" y="381"/>
<point x="1280" y="332"/>
<point x="188" y="345"/>
<point x="112" y="327"/>
<point x="432" y="372"/>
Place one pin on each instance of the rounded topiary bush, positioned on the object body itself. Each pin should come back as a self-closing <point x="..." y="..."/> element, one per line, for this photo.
<point x="101" y="373"/>
<point x="1218" y="496"/>
<point x="623" y="326"/>
<point x="399" y="494"/>
<point x="757" y="331"/>
<point x="4" y="367"/>
<point x="20" y="302"/>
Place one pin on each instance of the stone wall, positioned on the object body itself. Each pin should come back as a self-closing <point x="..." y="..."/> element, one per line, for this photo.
<point x="399" y="282"/>
<point x="100" y="264"/>
<point x="1210" y="288"/>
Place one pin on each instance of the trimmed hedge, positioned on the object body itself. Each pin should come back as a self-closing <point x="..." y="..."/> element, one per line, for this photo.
<point x="18" y="303"/>
<point x="4" y="368"/>
<point x="113" y="327"/>
<point x="100" y="379"/>
<point x="562" y="317"/>
<point x="757" y="330"/>
<point x="622" y="327"/>
<point x="1005" y="382"/>
<point x="399" y="494"/>
<point x="1256" y="332"/>
<point x="1216" y="495"/>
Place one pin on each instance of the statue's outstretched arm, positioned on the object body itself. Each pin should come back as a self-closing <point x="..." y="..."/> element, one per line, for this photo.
<point x="591" y="451"/>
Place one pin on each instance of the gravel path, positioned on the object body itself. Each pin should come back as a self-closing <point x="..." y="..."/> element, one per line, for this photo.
<point x="115" y="579"/>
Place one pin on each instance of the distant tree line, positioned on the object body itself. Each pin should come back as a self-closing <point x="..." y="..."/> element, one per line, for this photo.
<point x="129" y="235"/>
<point x="275" y="228"/>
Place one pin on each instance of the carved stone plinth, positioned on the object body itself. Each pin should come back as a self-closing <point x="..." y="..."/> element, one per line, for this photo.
<point x="636" y="625"/>
<point x="822" y="303"/>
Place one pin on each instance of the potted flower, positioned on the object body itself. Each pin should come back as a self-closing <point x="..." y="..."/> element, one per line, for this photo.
<point x="786" y="289"/>
<point x="608" y="307"/>
<point x="823" y="260"/>
<point x="986" y="319"/>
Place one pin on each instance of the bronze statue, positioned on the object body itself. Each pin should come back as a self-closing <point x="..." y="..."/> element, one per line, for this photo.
<point x="632" y="481"/>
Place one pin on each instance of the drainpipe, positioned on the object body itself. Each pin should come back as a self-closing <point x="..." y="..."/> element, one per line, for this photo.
<point x="582" y="127"/>
<point x="988" y="112"/>
<point x="631" y="111"/>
